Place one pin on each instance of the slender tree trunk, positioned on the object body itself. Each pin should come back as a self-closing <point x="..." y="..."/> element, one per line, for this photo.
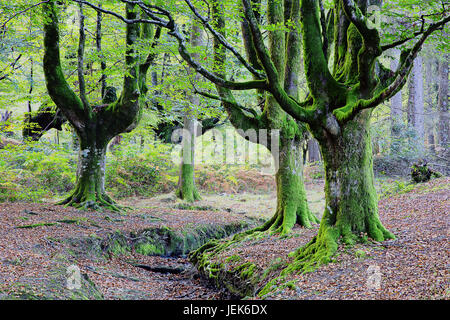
<point x="98" y="43"/>
<point x="429" y="123"/>
<point x="443" y="110"/>
<point x="396" y="108"/>
<point x="313" y="151"/>
<point x="416" y="105"/>
<point x="186" y="182"/>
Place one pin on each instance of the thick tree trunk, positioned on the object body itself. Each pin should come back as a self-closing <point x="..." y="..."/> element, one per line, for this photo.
<point x="90" y="179"/>
<point x="94" y="125"/>
<point x="351" y="208"/>
<point x="351" y="198"/>
<point x="292" y="206"/>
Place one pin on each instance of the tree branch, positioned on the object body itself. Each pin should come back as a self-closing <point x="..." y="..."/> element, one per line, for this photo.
<point x="349" y="111"/>
<point x="224" y="42"/>
<point x="4" y="74"/>
<point x="58" y="88"/>
<point x="80" y="69"/>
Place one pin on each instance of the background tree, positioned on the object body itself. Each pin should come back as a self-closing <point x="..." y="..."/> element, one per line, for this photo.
<point x="186" y="183"/>
<point x="444" y="118"/>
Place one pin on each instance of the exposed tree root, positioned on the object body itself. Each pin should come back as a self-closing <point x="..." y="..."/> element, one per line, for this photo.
<point x="94" y="201"/>
<point x="285" y="218"/>
<point x="321" y="249"/>
<point x="190" y="196"/>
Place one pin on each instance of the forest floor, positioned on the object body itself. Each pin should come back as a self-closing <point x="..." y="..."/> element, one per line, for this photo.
<point x="41" y="242"/>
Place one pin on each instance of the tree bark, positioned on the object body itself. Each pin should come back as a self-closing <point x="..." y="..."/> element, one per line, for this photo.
<point x="95" y="126"/>
<point x="292" y="206"/>
<point x="416" y="105"/>
<point x="430" y="121"/>
<point x="90" y="191"/>
<point x="313" y="151"/>
<point x="396" y="105"/>
<point x="443" y="110"/>
<point x="351" y="205"/>
<point x="186" y="183"/>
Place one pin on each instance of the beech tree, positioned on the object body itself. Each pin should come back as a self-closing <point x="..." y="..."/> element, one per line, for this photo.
<point x="443" y="119"/>
<point x="95" y="125"/>
<point x="187" y="189"/>
<point x="292" y="206"/>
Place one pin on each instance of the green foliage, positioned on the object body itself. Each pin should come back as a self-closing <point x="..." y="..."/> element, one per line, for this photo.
<point x="136" y="171"/>
<point x="35" y="172"/>
<point x="40" y="171"/>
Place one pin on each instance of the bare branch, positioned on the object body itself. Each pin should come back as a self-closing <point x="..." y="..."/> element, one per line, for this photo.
<point x="13" y="67"/>
<point x="3" y="25"/>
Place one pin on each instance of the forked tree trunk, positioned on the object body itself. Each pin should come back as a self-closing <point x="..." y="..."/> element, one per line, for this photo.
<point x="95" y="125"/>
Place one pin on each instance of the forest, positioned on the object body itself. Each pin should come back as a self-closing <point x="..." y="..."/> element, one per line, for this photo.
<point x="224" y="150"/>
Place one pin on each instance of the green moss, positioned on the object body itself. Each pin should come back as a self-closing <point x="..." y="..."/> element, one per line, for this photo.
<point x="275" y="265"/>
<point x="233" y="258"/>
<point x="187" y="190"/>
<point x="30" y="226"/>
<point x="118" y="248"/>
<point x="149" y="249"/>
<point x="361" y="254"/>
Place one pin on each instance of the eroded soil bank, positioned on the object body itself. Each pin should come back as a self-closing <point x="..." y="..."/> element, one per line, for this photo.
<point x="139" y="255"/>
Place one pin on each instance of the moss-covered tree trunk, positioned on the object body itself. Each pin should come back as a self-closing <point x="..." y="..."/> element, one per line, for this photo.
<point x="95" y="126"/>
<point x="292" y="205"/>
<point x="187" y="189"/>
<point x="90" y="178"/>
<point x="350" y="195"/>
<point x="351" y="205"/>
